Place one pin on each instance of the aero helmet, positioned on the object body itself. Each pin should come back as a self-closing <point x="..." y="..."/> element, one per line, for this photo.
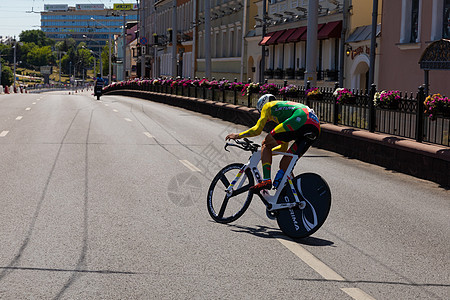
<point x="263" y="100"/>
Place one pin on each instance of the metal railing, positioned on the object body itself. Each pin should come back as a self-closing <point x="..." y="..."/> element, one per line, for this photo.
<point x="407" y="120"/>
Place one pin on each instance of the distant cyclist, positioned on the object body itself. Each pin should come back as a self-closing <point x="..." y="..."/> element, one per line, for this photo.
<point x="99" y="81"/>
<point x="296" y="122"/>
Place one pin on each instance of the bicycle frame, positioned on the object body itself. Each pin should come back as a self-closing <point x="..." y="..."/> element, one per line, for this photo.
<point x="269" y="200"/>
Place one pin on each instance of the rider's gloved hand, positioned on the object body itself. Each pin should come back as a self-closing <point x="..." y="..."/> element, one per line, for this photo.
<point x="232" y="136"/>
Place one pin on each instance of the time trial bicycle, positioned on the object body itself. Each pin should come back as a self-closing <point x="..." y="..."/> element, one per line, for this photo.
<point x="300" y="204"/>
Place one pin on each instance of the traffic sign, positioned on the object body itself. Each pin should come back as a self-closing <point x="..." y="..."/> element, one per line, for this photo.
<point x="143" y="40"/>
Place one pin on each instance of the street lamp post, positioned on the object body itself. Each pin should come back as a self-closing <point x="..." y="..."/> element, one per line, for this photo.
<point x="109" y="44"/>
<point x="15" y="47"/>
<point x="14" y="82"/>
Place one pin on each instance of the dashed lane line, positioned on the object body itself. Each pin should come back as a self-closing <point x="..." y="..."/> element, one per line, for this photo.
<point x="4" y="133"/>
<point x="33" y="103"/>
<point x="190" y="166"/>
<point x="19" y="118"/>
<point x="115" y="110"/>
<point x="321" y="268"/>
<point x="312" y="261"/>
<point x="128" y="120"/>
<point x="28" y="108"/>
<point x="357" y="294"/>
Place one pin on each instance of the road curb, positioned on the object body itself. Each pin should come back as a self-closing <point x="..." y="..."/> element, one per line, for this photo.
<point x="430" y="162"/>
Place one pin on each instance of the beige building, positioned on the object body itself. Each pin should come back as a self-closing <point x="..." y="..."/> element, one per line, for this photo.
<point x="357" y="45"/>
<point x="408" y="28"/>
<point x="228" y="22"/>
<point x="285" y="41"/>
<point x="286" y="36"/>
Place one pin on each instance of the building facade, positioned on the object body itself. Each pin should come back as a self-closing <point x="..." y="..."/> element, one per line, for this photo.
<point x="90" y="23"/>
<point x="408" y="28"/>
<point x="229" y="19"/>
<point x="285" y="41"/>
<point x="358" y="43"/>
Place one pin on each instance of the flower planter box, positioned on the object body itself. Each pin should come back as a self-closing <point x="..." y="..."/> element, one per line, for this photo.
<point x="278" y="74"/>
<point x="268" y="74"/>
<point x="349" y="100"/>
<point x="391" y="105"/>
<point x="290" y="74"/>
<point x="229" y="96"/>
<point x="300" y="74"/>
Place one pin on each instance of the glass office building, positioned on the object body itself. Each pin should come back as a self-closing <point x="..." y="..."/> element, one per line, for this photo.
<point x="91" y="24"/>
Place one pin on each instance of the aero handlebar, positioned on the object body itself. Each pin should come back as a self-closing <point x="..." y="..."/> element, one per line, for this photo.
<point x="245" y="144"/>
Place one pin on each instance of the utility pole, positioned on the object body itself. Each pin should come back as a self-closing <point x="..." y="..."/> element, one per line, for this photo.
<point x="373" y="43"/>
<point x="244" y="31"/>
<point x="174" y="37"/>
<point x="311" y="43"/>
<point x="142" y="34"/>
<point x="342" y="44"/>
<point x="124" y="47"/>
<point x="15" y="47"/>
<point x="263" y="53"/>
<point x="109" y="59"/>
<point x="208" y="39"/>
<point x="59" y="68"/>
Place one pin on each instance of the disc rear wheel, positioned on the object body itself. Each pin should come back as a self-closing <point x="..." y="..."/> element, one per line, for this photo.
<point x="305" y="219"/>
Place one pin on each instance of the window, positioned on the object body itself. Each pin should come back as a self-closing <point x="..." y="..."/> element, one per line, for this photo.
<point x="232" y="44"/>
<point x="414" y="21"/>
<point x="446" y="23"/>
<point x="410" y="24"/>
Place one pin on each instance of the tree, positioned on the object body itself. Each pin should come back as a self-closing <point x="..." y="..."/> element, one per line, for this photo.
<point x="41" y="56"/>
<point x="7" y="53"/>
<point x="36" y="36"/>
<point x="7" y="76"/>
<point x="105" y="58"/>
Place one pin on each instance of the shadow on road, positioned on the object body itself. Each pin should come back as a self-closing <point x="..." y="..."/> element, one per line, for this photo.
<point x="270" y="232"/>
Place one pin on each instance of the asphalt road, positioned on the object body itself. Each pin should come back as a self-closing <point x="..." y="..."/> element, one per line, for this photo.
<point x="107" y="200"/>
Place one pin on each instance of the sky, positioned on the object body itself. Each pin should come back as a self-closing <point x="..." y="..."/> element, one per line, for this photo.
<point x="19" y="15"/>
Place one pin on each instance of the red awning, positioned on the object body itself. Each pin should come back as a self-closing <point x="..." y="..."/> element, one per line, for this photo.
<point x="265" y="39"/>
<point x="319" y="28"/>
<point x="283" y="38"/>
<point x="295" y="37"/>
<point x="330" y="30"/>
<point x="274" y="38"/>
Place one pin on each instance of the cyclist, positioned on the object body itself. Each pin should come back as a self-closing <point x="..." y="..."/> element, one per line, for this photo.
<point x="296" y="122"/>
<point x="99" y="81"/>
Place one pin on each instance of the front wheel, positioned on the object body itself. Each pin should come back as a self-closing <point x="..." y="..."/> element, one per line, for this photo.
<point x="224" y="208"/>
<point x="315" y="203"/>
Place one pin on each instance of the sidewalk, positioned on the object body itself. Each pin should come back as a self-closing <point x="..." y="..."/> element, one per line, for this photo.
<point x="426" y="161"/>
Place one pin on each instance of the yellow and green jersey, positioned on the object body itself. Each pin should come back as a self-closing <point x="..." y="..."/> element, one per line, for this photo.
<point x="289" y="116"/>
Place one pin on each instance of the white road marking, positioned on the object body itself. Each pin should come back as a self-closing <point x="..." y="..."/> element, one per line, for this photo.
<point x="19" y="118"/>
<point x="115" y="110"/>
<point x="312" y="261"/>
<point x="3" y="133"/>
<point x="28" y="108"/>
<point x="148" y="134"/>
<point x="33" y="103"/>
<point x="190" y="166"/>
<point x="128" y="120"/>
<point x="106" y="104"/>
<point x="357" y="294"/>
